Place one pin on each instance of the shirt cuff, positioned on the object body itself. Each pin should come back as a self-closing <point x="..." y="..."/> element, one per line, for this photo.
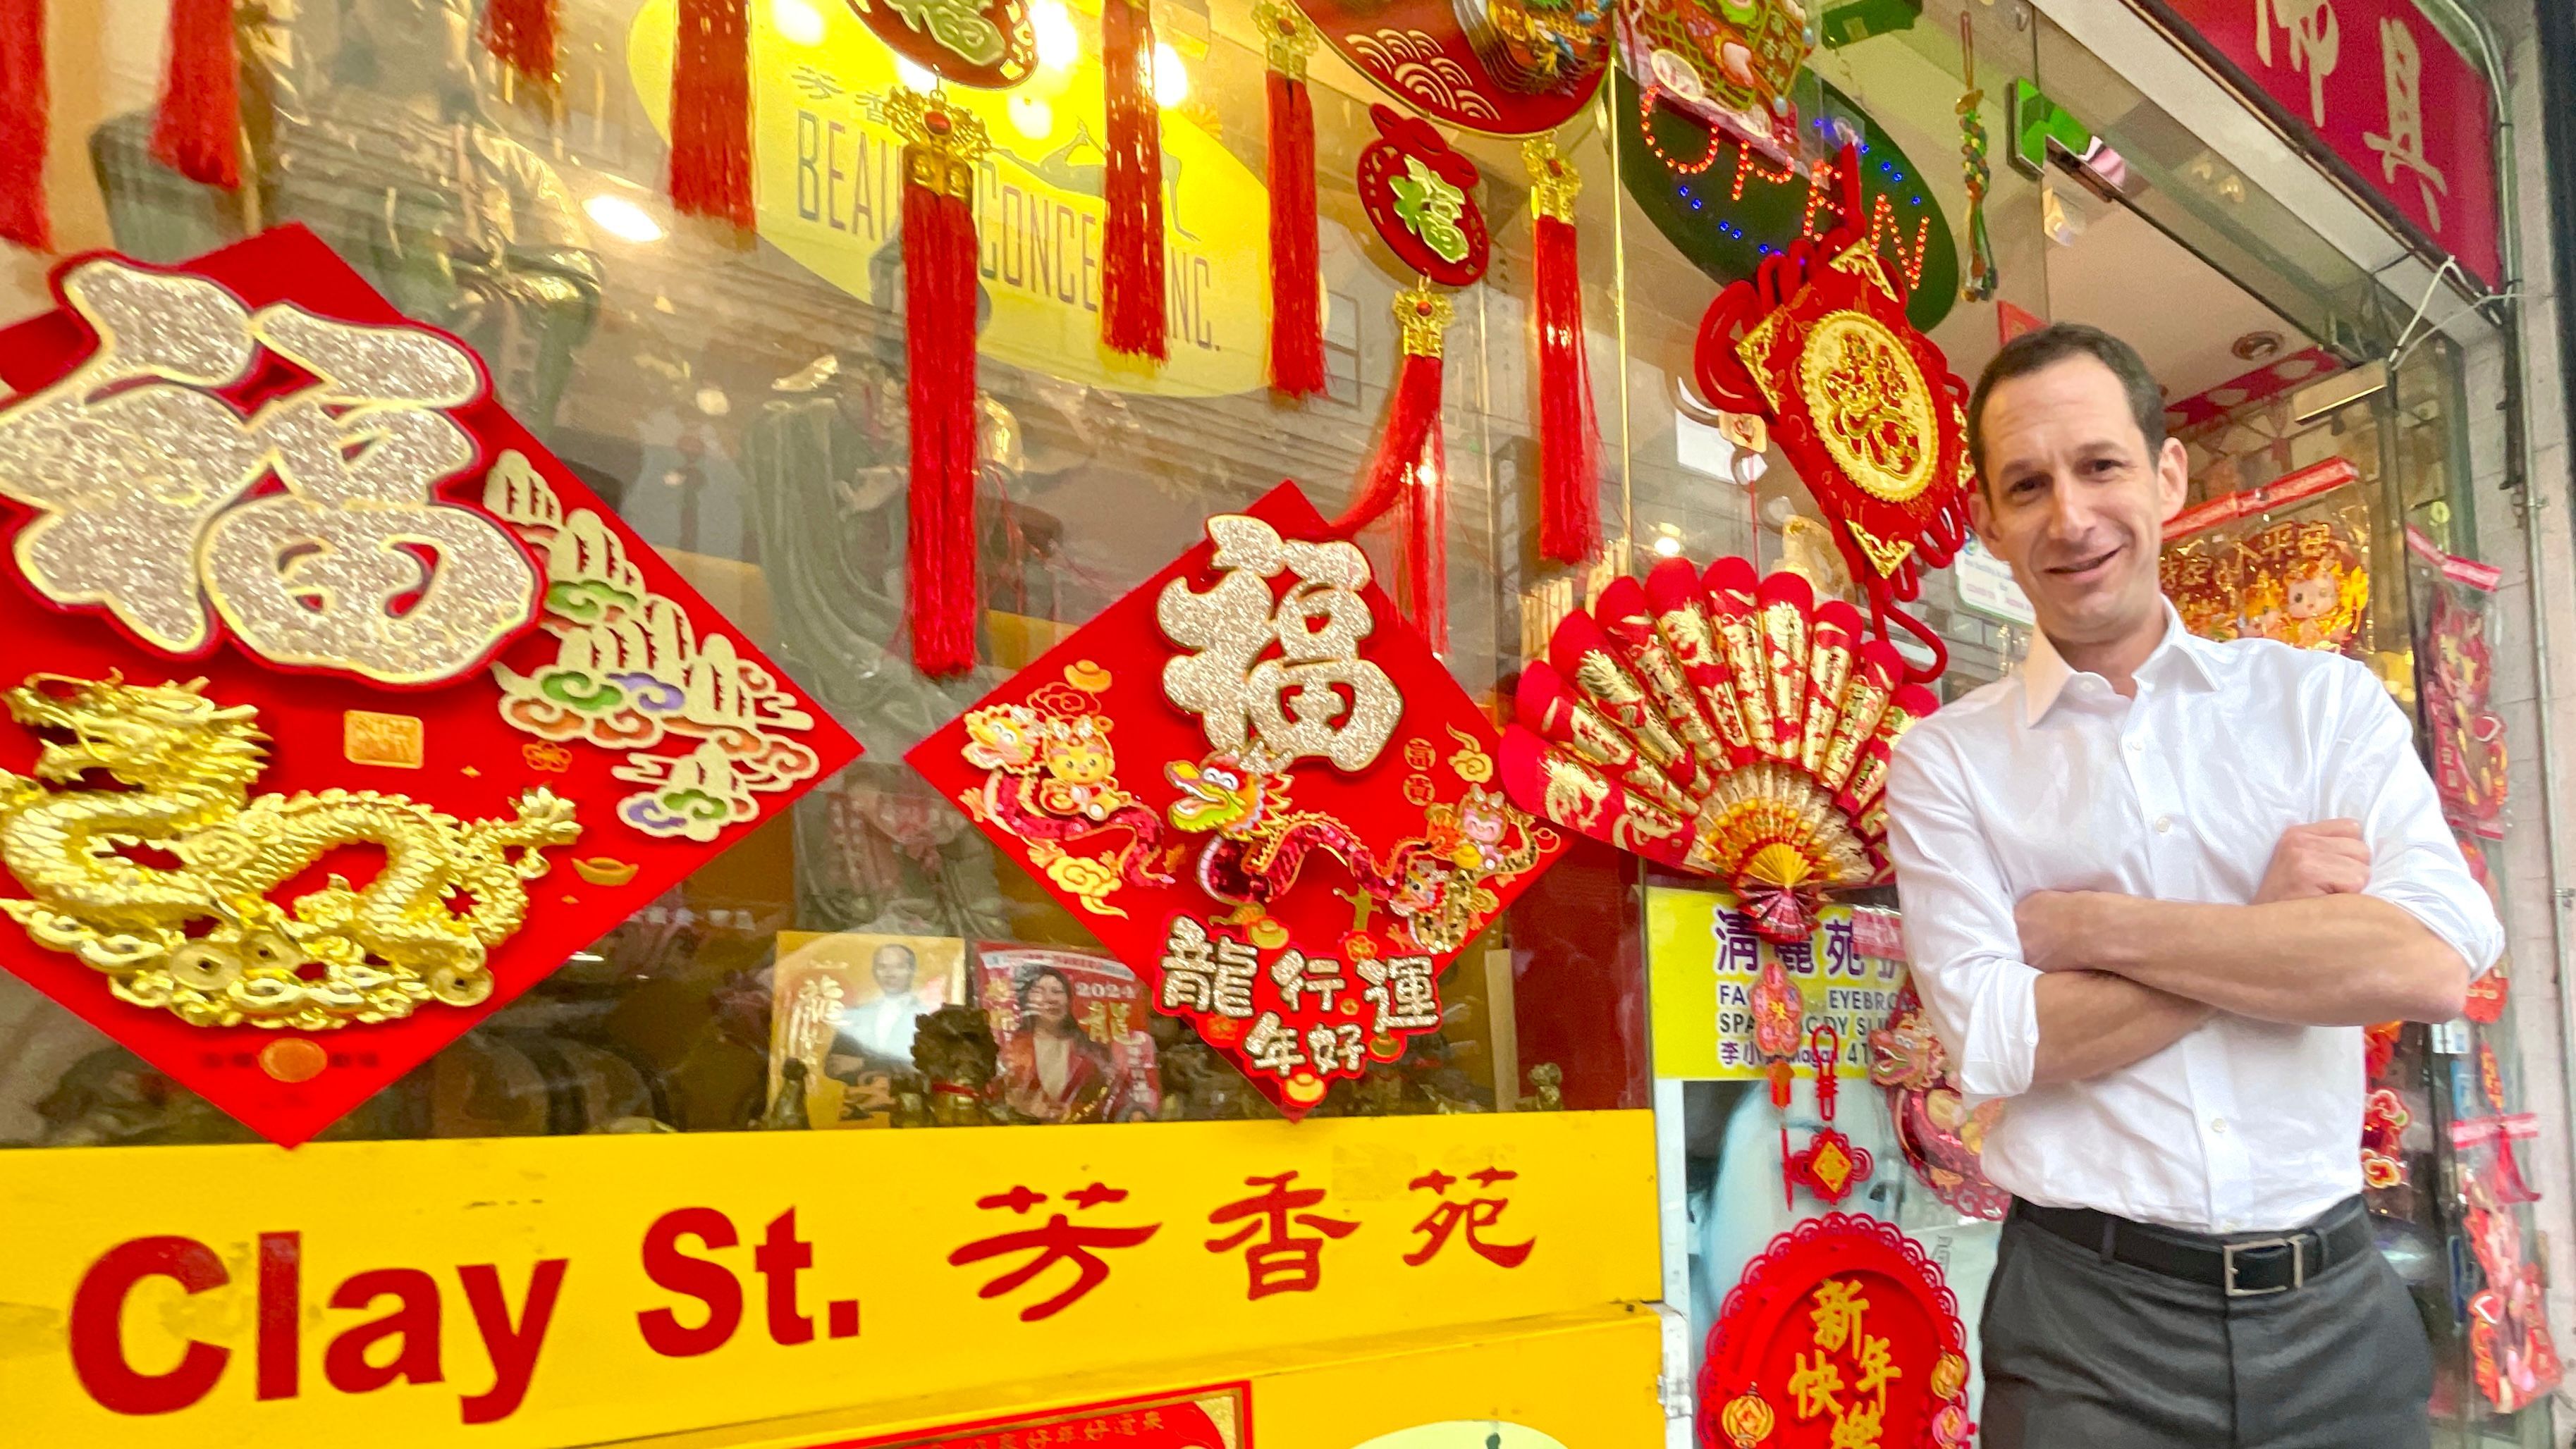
<point x="2000" y="1047"/>
<point x="2479" y="937"/>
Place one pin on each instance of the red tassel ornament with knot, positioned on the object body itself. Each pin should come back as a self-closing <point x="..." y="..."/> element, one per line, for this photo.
<point x="942" y="145"/>
<point x="24" y="125"/>
<point x="1296" y="274"/>
<point x="1569" y="439"/>
<point x="198" y="130"/>
<point x="711" y="112"/>
<point x="1131" y="263"/>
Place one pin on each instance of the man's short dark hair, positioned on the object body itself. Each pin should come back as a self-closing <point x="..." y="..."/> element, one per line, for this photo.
<point x="2055" y="343"/>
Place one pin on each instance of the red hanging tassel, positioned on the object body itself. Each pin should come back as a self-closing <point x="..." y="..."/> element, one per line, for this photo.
<point x="941" y="146"/>
<point x="1296" y="282"/>
<point x="1569" y="440"/>
<point x="711" y="111"/>
<point x="24" y="108"/>
<point x="522" y="34"/>
<point x="1409" y="468"/>
<point x="198" y="132"/>
<point x="1131" y="282"/>
<point x="1422" y="535"/>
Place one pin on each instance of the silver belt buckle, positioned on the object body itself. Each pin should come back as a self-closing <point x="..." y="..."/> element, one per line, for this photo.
<point x="2298" y="1264"/>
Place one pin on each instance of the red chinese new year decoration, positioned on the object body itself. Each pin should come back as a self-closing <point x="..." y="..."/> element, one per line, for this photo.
<point x="198" y="130"/>
<point x="1296" y="279"/>
<point x="2487" y="998"/>
<point x="521" y="35"/>
<point x="2512" y="1356"/>
<point x="2384" y="1120"/>
<point x="291" y="679"/>
<point x="1569" y="441"/>
<point x="1182" y="1419"/>
<point x="1262" y="792"/>
<point x="1865" y="406"/>
<point x="1940" y="1135"/>
<point x="1719" y="726"/>
<point x="711" y="111"/>
<point x="25" y="113"/>
<point x="988" y="44"/>
<point x="1842" y="1332"/>
<point x="1131" y="252"/>
<point x="1500" y="67"/>
<point x="1829" y="1165"/>
<point x="942" y="144"/>
<point x="2469" y="758"/>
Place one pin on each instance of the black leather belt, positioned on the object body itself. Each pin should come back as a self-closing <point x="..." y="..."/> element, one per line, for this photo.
<point x="2240" y="1267"/>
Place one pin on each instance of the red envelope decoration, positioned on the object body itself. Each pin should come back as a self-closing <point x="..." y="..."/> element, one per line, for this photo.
<point x="337" y="711"/>
<point x="1262" y="792"/>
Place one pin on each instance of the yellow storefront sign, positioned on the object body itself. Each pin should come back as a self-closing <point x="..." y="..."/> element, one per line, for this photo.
<point x="827" y="192"/>
<point x="548" y="1292"/>
<point x="1702" y="958"/>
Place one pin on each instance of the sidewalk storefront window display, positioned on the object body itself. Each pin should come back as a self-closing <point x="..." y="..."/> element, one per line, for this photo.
<point x="633" y="614"/>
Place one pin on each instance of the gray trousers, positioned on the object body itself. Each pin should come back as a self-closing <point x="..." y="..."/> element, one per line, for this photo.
<point x="2083" y="1353"/>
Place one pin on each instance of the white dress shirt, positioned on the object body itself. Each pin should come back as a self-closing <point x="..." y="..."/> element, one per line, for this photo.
<point x="2050" y="780"/>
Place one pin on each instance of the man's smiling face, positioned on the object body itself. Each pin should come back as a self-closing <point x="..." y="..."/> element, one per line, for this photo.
<point x="2072" y="499"/>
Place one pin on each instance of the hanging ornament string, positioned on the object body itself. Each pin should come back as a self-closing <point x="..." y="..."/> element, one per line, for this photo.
<point x="521" y="34"/>
<point x="25" y="107"/>
<point x="1131" y="284"/>
<point x="1979" y="279"/>
<point x="942" y="144"/>
<point x="1296" y="277"/>
<point x="198" y="130"/>
<point x="1829" y="1166"/>
<point x="1569" y="513"/>
<point x="711" y="112"/>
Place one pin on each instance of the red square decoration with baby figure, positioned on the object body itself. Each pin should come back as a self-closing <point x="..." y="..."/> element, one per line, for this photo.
<point x="1262" y="791"/>
<point x="337" y="711"/>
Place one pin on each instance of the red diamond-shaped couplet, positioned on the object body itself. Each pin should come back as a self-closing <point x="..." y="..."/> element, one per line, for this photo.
<point x="1261" y="791"/>
<point x="337" y="711"/>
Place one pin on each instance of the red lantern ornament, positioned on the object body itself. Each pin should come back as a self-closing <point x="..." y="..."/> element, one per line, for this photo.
<point x="1131" y="261"/>
<point x="293" y="603"/>
<point x="1722" y="727"/>
<point x="1569" y="440"/>
<point x="1296" y="276"/>
<point x="942" y="143"/>
<point x="1262" y="793"/>
<point x="1842" y="1332"/>
<point x="1865" y="406"/>
<point x="1420" y="196"/>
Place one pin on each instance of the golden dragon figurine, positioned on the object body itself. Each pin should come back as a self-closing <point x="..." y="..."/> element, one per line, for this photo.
<point x="164" y="884"/>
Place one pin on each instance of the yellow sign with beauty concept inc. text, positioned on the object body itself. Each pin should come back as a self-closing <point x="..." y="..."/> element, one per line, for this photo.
<point x="1702" y="958"/>
<point x="527" y="1293"/>
<point x="827" y="191"/>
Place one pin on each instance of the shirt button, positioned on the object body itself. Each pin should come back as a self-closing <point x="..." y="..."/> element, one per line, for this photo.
<point x="2137" y="746"/>
<point x="2164" y="825"/>
<point x="2218" y="1125"/>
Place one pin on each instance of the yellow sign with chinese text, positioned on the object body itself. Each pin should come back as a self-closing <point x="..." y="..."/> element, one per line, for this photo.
<point x="560" y="1291"/>
<point x="1702" y="958"/>
<point x="827" y="191"/>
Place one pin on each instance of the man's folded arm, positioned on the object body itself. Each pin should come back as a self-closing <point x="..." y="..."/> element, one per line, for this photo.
<point x="2008" y="1027"/>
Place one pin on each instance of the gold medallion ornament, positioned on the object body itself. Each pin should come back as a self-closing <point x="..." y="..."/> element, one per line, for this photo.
<point x="200" y="936"/>
<point x="1871" y="406"/>
<point x="1747" y="1420"/>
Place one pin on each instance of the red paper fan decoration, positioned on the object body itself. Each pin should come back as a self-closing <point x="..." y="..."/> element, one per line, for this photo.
<point x="1842" y="1332"/>
<point x="1865" y="406"/>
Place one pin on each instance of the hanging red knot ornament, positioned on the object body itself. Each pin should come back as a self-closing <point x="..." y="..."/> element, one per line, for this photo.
<point x="942" y="145"/>
<point x="521" y="35"/>
<point x="1296" y="279"/>
<point x="1419" y="195"/>
<point x="198" y="131"/>
<point x="711" y="112"/>
<point x="1569" y="440"/>
<point x="1865" y="405"/>
<point x="1131" y="280"/>
<point x="25" y="107"/>
<point x="1829" y="1166"/>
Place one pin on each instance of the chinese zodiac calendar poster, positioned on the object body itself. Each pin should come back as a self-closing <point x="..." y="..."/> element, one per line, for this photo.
<point x="336" y="711"/>
<point x="1262" y="791"/>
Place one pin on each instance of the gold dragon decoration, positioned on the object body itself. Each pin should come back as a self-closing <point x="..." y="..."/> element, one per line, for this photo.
<point x="163" y="881"/>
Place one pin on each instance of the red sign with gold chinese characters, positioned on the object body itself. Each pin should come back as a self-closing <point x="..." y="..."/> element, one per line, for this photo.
<point x="1841" y="1333"/>
<point x="1263" y="792"/>
<point x="338" y="711"/>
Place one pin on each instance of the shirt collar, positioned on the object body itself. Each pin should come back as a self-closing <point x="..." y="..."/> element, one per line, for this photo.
<point x="2044" y="672"/>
